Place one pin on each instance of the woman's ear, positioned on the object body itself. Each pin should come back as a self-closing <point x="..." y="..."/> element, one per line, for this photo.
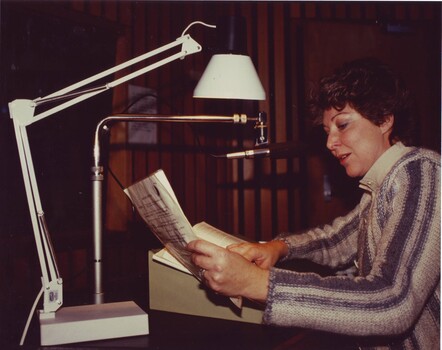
<point x="387" y="125"/>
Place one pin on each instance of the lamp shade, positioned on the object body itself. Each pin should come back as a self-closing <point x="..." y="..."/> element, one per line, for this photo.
<point x="230" y="76"/>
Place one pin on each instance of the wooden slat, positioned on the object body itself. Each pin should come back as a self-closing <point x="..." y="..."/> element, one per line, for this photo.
<point x="189" y="167"/>
<point x="110" y="10"/>
<point x="279" y="208"/>
<point x="295" y="10"/>
<point x="280" y="77"/>
<point x="264" y="74"/>
<point x="78" y="5"/>
<point x="370" y="11"/>
<point x="355" y="11"/>
<point x="152" y="41"/>
<point x="400" y="12"/>
<point x="117" y="205"/>
<point x="325" y="10"/>
<point x="139" y="159"/>
<point x="341" y="10"/>
<point x="95" y="8"/>
<point x="310" y="9"/>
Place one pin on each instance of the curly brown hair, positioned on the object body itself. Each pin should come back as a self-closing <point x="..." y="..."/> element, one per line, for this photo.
<point x="372" y="89"/>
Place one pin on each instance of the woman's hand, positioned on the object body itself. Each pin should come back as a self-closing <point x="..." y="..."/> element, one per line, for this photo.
<point x="228" y="273"/>
<point x="265" y="255"/>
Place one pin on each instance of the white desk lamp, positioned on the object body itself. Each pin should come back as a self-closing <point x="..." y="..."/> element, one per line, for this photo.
<point x="100" y="320"/>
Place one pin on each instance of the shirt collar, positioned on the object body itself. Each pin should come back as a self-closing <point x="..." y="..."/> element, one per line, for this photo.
<point x="374" y="177"/>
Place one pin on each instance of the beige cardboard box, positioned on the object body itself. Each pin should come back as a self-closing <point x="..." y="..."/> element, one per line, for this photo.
<point x="176" y="291"/>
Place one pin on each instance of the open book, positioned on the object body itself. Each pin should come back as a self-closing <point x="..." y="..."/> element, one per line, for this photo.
<point x="158" y="206"/>
<point x="202" y="230"/>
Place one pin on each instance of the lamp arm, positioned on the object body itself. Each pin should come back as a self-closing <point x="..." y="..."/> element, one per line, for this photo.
<point x="188" y="46"/>
<point x="22" y="112"/>
<point x="98" y="175"/>
<point x="235" y="118"/>
<point x="51" y="280"/>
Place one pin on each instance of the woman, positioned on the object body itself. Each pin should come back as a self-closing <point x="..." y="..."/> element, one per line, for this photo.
<point x="392" y="236"/>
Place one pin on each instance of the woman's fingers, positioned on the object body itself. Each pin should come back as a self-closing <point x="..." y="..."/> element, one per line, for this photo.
<point x="205" y="254"/>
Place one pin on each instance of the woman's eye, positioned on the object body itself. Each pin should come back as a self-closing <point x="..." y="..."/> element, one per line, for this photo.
<point x="342" y="126"/>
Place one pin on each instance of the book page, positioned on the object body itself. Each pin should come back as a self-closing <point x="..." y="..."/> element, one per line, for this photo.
<point x="202" y="230"/>
<point x="214" y="235"/>
<point x="163" y="256"/>
<point x="157" y="204"/>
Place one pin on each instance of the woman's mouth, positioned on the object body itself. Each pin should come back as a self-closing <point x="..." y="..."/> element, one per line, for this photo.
<point x="343" y="157"/>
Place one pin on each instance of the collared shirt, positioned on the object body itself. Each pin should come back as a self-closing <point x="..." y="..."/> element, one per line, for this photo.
<point x="374" y="177"/>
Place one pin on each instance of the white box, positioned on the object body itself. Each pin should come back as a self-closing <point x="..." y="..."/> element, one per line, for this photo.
<point x="82" y="323"/>
<point x="175" y="291"/>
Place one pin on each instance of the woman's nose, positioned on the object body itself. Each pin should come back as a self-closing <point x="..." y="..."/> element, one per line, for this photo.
<point x="332" y="141"/>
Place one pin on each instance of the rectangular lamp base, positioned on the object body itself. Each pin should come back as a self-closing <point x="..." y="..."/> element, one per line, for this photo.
<point x="93" y="322"/>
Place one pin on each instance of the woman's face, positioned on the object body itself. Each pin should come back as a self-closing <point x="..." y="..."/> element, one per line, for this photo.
<point x="354" y="140"/>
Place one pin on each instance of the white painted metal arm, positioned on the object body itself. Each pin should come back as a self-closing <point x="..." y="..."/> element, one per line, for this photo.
<point x="51" y="280"/>
<point x="188" y="47"/>
<point x="22" y="112"/>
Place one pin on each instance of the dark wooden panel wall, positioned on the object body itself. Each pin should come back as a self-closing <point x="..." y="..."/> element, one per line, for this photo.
<point x="292" y="45"/>
<point x="263" y="197"/>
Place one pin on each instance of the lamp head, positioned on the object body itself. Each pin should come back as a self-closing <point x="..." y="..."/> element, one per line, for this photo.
<point x="230" y="73"/>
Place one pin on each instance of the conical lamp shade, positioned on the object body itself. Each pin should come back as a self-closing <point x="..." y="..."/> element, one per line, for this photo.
<point x="232" y="77"/>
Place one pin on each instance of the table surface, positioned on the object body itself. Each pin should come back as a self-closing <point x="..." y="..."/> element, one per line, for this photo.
<point x="172" y="331"/>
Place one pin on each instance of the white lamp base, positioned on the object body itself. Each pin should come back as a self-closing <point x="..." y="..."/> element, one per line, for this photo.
<point x="93" y="322"/>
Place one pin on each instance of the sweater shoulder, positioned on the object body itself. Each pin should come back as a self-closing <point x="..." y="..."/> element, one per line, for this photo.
<point x="418" y="157"/>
